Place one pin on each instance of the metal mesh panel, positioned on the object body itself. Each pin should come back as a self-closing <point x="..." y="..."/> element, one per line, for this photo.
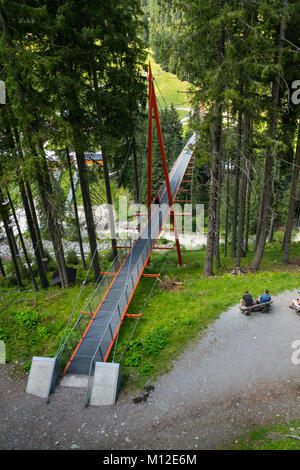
<point x="99" y="356"/>
<point x="106" y="340"/>
<point x="135" y="274"/>
<point x="115" y="320"/>
<point x="123" y="300"/>
<point x="129" y="265"/>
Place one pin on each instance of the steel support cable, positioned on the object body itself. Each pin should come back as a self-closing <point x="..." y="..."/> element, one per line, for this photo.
<point x="142" y="175"/>
<point x="116" y="342"/>
<point x="78" y="297"/>
<point x="161" y="94"/>
<point x="112" y="316"/>
<point x="130" y="144"/>
<point x="142" y="170"/>
<point x="99" y="344"/>
<point x="146" y="140"/>
<point x="93" y="290"/>
<point x="28" y="245"/>
<point x="146" y="301"/>
<point x="21" y="291"/>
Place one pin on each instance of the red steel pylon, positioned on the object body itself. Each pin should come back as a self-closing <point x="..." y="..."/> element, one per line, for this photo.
<point x="153" y="107"/>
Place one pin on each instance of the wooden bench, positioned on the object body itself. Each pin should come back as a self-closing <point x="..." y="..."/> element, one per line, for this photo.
<point x="264" y="307"/>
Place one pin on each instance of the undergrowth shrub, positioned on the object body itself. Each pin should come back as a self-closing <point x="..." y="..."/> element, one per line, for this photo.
<point x="28" y="318"/>
<point x="133" y="360"/>
<point x="155" y="341"/>
<point x="146" y="369"/>
<point x="3" y="335"/>
<point x="51" y="264"/>
<point x="43" y="332"/>
<point x="72" y="257"/>
<point x="27" y="366"/>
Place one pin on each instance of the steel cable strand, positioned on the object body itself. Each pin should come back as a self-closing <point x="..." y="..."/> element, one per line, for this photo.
<point x="146" y="301"/>
<point x="130" y="144"/>
<point x="78" y="297"/>
<point x="99" y="344"/>
<point x="92" y="294"/>
<point x="116" y="342"/>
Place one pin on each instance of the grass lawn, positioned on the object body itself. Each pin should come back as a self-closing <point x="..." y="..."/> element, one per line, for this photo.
<point x="182" y="113"/>
<point x="172" y="319"/>
<point x="34" y="322"/>
<point x="269" y="438"/>
<point x="173" y="90"/>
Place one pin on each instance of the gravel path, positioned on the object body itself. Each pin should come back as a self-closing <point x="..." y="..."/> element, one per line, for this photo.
<point x="238" y="375"/>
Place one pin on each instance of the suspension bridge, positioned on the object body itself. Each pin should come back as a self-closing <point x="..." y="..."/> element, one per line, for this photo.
<point x="94" y="333"/>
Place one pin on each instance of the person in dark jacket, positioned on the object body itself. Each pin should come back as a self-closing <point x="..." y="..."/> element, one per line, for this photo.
<point x="247" y="298"/>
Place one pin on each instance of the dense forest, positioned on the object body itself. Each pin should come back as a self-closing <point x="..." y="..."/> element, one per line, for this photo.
<point x="75" y="78"/>
<point x="242" y="61"/>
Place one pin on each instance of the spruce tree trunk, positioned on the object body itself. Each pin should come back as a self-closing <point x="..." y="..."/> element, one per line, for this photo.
<point x="2" y="268"/>
<point x="86" y="198"/>
<point x="259" y="219"/>
<point x="32" y="231"/>
<point x="248" y="190"/>
<point x="48" y="200"/>
<point x="286" y="244"/>
<point x="211" y="227"/>
<point x="10" y="237"/>
<point x="36" y="227"/>
<point x="269" y="158"/>
<point x="105" y="166"/>
<point x="31" y="217"/>
<point x="28" y="129"/>
<point x="31" y="214"/>
<point x="227" y="193"/>
<point x="242" y="199"/>
<point x="218" y="207"/>
<point x="16" y="249"/>
<point x="247" y="216"/>
<point x="216" y="130"/>
<point x="276" y="183"/>
<point x="75" y="209"/>
<point x="237" y="164"/>
<point x="22" y="242"/>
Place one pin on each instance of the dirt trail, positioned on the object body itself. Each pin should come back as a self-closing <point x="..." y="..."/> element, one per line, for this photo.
<point x="238" y="375"/>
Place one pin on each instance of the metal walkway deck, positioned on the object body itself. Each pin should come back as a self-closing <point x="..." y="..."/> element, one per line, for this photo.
<point x="102" y="329"/>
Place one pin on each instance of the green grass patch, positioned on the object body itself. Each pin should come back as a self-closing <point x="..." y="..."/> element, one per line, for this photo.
<point x="172" y="319"/>
<point x="34" y="322"/>
<point x="173" y="90"/>
<point x="272" y="437"/>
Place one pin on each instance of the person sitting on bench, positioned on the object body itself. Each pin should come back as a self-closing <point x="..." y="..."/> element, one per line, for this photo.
<point x="295" y="303"/>
<point x="263" y="298"/>
<point x="247" y="300"/>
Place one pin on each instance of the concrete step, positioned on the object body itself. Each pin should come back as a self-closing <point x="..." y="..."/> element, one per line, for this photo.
<point x="73" y="380"/>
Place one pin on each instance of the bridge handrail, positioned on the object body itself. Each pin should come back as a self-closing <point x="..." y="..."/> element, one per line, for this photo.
<point x="88" y="302"/>
<point x="109" y="323"/>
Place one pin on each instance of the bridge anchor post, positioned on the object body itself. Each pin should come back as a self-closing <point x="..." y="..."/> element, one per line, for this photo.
<point x="106" y="383"/>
